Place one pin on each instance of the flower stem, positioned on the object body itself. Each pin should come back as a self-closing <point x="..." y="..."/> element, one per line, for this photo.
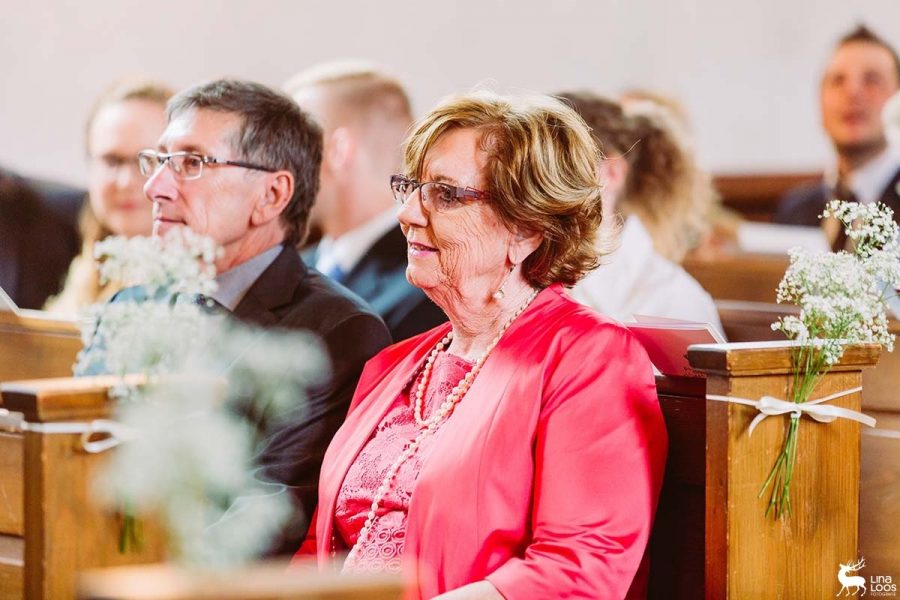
<point x="806" y="374"/>
<point x="131" y="535"/>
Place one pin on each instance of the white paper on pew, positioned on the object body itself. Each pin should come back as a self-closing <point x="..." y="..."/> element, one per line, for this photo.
<point x="770" y="238"/>
<point x="666" y="342"/>
<point x="6" y="303"/>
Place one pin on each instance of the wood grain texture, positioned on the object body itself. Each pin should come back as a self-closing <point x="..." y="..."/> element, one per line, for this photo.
<point x="62" y="398"/>
<point x="12" y="519"/>
<point x="879" y="496"/>
<point x="769" y="358"/>
<point x="65" y="529"/>
<point x="744" y="276"/>
<point x="750" y="322"/>
<point x="33" y="346"/>
<point x="267" y="581"/>
<point x="756" y="196"/>
<point x="12" y="550"/>
<point x="882" y="384"/>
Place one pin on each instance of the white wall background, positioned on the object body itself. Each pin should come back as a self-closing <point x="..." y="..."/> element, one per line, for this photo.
<point x="747" y="71"/>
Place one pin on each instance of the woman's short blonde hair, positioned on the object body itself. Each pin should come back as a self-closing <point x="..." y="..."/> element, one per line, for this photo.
<point x="541" y="174"/>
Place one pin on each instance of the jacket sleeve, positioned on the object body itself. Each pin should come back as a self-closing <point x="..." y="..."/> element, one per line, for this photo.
<point x="294" y="444"/>
<point x="600" y="451"/>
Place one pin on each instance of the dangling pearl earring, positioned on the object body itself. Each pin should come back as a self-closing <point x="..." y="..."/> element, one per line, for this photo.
<point x="500" y="294"/>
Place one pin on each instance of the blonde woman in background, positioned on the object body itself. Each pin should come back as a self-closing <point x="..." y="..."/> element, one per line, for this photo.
<point x="652" y="184"/>
<point x="712" y="228"/>
<point x="128" y="118"/>
<point x="666" y="188"/>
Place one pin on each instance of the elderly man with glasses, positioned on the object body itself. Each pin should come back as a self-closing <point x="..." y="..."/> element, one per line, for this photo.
<point x="239" y="163"/>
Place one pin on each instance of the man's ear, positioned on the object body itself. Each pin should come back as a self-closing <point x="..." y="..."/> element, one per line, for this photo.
<point x="613" y="174"/>
<point x="339" y="148"/>
<point x="278" y="193"/>
<point x="522" y="244"/>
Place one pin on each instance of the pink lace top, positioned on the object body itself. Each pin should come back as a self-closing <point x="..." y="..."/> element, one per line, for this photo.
<point x="396" y="430"/>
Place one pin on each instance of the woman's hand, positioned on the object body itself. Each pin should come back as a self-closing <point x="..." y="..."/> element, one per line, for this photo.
<point x="480" y="590"/>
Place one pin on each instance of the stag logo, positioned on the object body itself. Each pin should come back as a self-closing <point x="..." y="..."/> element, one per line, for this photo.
<point x="852" y="581"/>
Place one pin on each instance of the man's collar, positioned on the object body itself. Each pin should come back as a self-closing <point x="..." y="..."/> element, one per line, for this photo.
<point x="869" y="181"/>
<point x="235" y="282"/>
<point x="348" y="249"/>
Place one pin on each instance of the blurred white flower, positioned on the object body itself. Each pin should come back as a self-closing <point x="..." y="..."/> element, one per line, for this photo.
<point x="843" y="296"/>
<point x="191" y="460"/>
<point x="843" y="300"/>
<point x="180" y="262"/>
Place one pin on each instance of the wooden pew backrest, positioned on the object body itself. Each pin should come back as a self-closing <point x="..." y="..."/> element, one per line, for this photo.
<point x="36" y="345"/>
<point x="756" y="196"/>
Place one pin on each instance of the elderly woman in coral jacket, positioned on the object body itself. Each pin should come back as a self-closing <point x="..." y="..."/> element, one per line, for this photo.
<point x="518" y="450"/>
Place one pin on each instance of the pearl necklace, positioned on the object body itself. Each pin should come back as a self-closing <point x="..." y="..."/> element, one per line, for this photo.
<point x="429" y="426"/>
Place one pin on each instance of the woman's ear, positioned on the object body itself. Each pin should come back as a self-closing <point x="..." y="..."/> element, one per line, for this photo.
<point x="522" y="244"/>
<point x="277" y="195"/>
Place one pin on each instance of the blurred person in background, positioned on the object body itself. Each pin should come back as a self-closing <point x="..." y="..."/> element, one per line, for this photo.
<point x="648" y="177"/>
<point x="128" y="118"/>
<point x="38" y="236"/>
<point x="365" y="114"/>
<point x="716" y="233"/>
<point x="862" y="73"/>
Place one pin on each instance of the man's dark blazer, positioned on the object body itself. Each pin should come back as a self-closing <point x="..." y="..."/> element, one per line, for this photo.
<point x="289" y="295"/>
<point x="803" y="205"/>
<point x="380" y="279"/>
<point x="38" y="237"/>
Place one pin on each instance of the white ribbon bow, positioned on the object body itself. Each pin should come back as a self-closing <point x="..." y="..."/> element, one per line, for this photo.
<point x="114" y="432"/>
<point x="824" y="413"/>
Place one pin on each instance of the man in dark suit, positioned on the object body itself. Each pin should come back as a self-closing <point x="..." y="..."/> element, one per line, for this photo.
<point x="365" y="115"/>
<point x="239" y="162"/>
<point x="38" y="237"/>
<point x="862" y="74"/>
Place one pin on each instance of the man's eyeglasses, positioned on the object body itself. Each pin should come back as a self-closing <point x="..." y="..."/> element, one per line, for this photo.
<point x="187" y="165"/>
<point x="435" y="195"/>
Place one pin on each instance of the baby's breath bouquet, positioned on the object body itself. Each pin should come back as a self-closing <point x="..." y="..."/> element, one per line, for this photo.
<point x="164" y="275"/>
<point x="842" y="298"/>
<point x="189" y="455"/>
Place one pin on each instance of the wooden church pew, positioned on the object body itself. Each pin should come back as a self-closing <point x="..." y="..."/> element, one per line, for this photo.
<point x="709" y="495"/>
<point x="742" y="276"/>
<point x="711" y="538"/>
<point x="880" y="455"/>
<point x="50" y="528"/>
<point x="264" y="581"/>
<point x="755" y="196"/>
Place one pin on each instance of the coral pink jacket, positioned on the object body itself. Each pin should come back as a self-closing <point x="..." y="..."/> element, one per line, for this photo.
<point x="545" y="479"/>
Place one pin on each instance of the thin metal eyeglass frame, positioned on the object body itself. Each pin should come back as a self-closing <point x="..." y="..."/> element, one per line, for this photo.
<point x="163" y="158"/>
<point x="469" y="193"/>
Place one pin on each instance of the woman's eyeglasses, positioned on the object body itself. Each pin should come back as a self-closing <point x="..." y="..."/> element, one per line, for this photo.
<point x="437" y="196"/>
